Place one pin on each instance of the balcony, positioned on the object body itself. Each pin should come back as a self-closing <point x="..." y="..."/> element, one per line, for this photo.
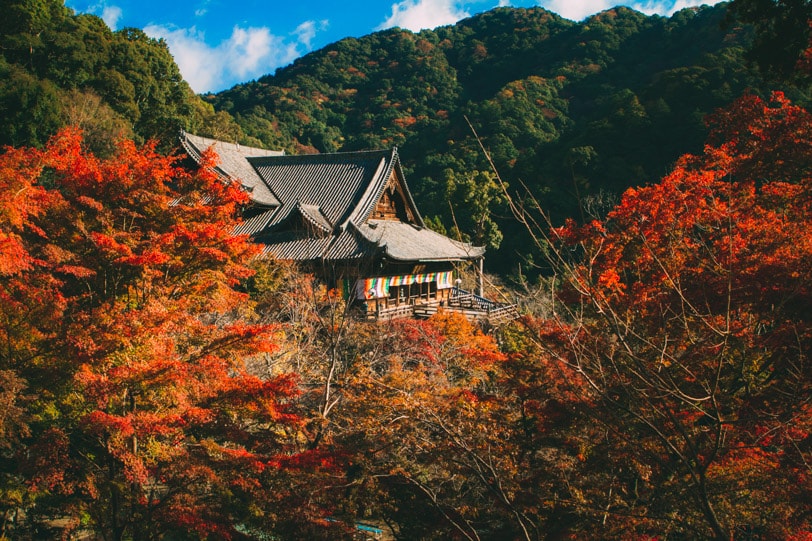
<point x="475" y="308"/>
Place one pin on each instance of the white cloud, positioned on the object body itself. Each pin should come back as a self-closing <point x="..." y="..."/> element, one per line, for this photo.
<point x="415" y="15"/>
<point x="682" y="4"/>
<point x="306" y="31"/>
<point x="578" y="10"/>
<point x="202" y="8"/>
<point x="248" y="53"/>
<point x="111" y="15"/>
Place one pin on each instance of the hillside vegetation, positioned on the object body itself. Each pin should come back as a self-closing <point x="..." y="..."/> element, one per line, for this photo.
<point x="59" y="68"/>
<point x="575" y="111"/>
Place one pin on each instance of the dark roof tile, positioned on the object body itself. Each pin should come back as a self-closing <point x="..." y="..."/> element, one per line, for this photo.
<point x="335" y="194"/>
<point x="335" y="183"/>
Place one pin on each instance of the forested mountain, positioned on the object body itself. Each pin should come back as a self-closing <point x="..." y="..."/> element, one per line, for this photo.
<point x="575" y="111"/>
<point x="58" y="68"/>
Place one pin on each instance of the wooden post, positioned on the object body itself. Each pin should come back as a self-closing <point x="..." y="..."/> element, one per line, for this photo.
<point x="481" y="277"/>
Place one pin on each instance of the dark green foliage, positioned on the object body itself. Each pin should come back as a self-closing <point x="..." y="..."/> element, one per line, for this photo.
<point x="783" y="33"/>
<point x="47" y="53"/>
<point x="572" y="111"/>
<point x="162" y="97"/>
<point x="29" y="107"/>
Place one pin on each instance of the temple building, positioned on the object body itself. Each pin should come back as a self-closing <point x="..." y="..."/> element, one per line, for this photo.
<point x="351" y="220"/>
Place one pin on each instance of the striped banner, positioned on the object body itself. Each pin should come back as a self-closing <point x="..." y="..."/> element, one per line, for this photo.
<point x="378" y="287"/>
<point x="372" y="288"/>
<point x="444" y="279"/>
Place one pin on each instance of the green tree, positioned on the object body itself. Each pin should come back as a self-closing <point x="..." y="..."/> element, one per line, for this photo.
<point x="477" y="195"/>
<point x="783" y="33"/>
<point x="29" y="106"/>
<point x="161" y="94"/>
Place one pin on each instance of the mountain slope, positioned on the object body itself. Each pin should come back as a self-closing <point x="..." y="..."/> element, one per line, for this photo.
<point x="60" y="68"/>
<point x="576" y="111"/>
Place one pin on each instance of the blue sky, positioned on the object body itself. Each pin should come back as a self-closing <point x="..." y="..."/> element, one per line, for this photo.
<point x="219" y="43"/>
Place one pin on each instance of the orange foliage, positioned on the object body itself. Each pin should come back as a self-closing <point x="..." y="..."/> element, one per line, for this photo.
<point x="698" y="322"/>
<point x="119" y="307"/>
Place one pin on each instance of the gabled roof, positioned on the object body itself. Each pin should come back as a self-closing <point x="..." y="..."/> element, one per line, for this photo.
<point x="343" y="186"/>
<point x="314" y="215"/>
<point x="320" y="206"/>
<point x="233" y="164"/>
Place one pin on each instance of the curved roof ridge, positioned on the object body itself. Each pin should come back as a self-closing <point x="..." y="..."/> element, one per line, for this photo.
<point x="363" y="213"/>
<point x="349" y="243"/>
<point x="373" y="191"/>
<point x="408" y="193"/>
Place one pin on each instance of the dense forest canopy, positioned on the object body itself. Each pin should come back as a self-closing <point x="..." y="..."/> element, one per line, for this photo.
<point x="576" y="112"/>
<point x="59" y="68"/>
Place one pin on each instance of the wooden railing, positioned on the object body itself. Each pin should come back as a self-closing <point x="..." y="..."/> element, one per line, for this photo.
<point x="426" y="310"/>
<point x="476" y="307"/>
<point x="503" y="314"/>
<point x="396" y="312"/>
<point x="472" y="306"/>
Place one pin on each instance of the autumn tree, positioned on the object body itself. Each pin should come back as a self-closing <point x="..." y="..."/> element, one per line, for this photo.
<point x="410" y="413"/>
<point x="29" y="306"/>
<point x="427" y="435"/>
<point x="685" y="313"/>
<point x="125" y="336"/>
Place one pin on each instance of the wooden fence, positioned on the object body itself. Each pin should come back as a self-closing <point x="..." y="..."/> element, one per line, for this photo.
<point x="473" y="307"/>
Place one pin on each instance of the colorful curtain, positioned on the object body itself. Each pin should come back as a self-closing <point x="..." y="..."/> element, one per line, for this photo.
<point x="372" y="288"/>
<point x="378" y="287"/>
<point x="444" y="279"/>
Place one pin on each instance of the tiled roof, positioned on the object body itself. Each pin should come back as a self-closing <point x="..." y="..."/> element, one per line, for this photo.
<point x="342" y="246"/>
<point x="332" y="196"/>
<point x="344" y="186"/>
<point x="314" y="215"/>
<point x="406" y="242"/>
<point x="255" y="224"/>
<point x="293" y="246"/>
<point x="396" y="240"/>
<point x="350" y="245"/>
<point x="233" y="164"/>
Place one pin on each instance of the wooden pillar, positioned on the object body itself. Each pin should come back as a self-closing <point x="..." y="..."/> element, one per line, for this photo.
<point x="481" y="277"/>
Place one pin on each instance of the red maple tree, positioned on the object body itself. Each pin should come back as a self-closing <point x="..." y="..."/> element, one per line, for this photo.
<point x="687" y="313"/>
<point x="123" y="316"/>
